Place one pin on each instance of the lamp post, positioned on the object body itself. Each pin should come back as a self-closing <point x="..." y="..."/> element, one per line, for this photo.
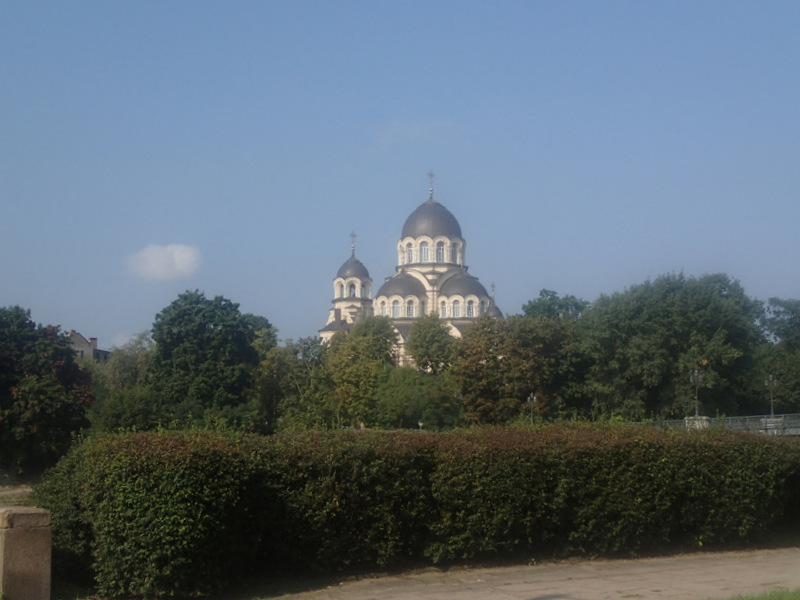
<point x="696" y="379"/>
<point x="769" y="383"/>
<point x="532" y="403"/>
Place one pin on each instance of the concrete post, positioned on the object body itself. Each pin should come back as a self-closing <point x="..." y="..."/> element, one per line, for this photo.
<point x="25" y="546"/>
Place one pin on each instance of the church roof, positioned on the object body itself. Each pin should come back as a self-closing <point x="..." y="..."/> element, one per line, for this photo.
<point x="463" y="285"/>
<point x="431" y="218"/>
<point x="353" y="268"/>
<point x="402" y="284"/>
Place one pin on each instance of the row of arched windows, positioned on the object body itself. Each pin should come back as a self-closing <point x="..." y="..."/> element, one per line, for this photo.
<point x="423" y="253"/>
<point x="454" y="310"/>
<point x="458" y="310"/>
<point x="397" y="309"/>
<point x="352" y="290"/>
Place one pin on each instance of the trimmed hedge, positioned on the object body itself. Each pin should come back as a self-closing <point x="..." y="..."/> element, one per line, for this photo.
<point x="176" y="514"/>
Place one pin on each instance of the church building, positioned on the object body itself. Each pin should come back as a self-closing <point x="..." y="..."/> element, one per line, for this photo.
<point x="431" y="276"/>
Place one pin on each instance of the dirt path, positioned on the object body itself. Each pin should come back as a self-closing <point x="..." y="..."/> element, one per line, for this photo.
<point x="684" y="577"/>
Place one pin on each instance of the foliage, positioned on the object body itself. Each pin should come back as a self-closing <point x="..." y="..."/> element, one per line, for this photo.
<point x="124" y="398"/>
<point x="408" y="398"/>
<point x="44" y="392"/>
<point x="430" y="344"/>
<point x="643" y="347"/>
<point x="204" y="360"/>
<point x="501" y="364"/>
<point x="549" y="304"/>
<point x="183" y="513"/>
<point x="158" y="515"/>
<point x="355" y="363"/>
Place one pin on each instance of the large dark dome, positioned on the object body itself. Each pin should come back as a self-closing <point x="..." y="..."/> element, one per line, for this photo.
<point x="463" y="285"/>
<point x="353" y="268"/>
<point x="403" y="285"/>
<point x="431" y="218"/>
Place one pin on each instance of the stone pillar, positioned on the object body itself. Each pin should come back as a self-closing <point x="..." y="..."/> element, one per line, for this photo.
<point x="25" y="541"/>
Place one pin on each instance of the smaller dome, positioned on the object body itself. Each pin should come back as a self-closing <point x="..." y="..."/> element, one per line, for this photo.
<point x="353" y="268"/>
<point x="463" y="285"/>
<point x="402" y="285"/>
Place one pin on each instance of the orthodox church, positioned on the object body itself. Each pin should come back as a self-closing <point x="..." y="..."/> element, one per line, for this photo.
<point x="431" y="275"/>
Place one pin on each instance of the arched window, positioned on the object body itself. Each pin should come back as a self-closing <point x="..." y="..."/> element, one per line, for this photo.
<point x="396" y="308"/>
<point x="423" y="252"/>
<point x="442" y="310"/>
<point x="456" y="309"/>
<point x="440" y="252"/>
<point x="383" y="309"/>
<point x="470" y="309"/>
<point x="363" y="291"/>
<point x="410" y="308"/>
<point x="409" y="254"/>
<point x="352" y="293"/>
<point x="340" y="291"/>
<point x="453" y="253"/>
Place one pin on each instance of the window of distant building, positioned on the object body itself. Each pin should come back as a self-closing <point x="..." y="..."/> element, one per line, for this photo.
<point x="456" y="309"/>
<point x="352" y="290"/>
<point x="440" y="252"/>
<point x="396" y="308"/>
<point x="409" y="253"/>
<point x="423" y="252"/>
<point x="453" y="252"/>
<point x="442" y="310"/>
<point x="383" y="309"/>
<point x="410" y="308"/>
<point x="470" y="309"/>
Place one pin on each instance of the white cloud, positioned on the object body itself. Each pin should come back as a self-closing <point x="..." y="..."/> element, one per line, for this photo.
<point x="161" y="263"/>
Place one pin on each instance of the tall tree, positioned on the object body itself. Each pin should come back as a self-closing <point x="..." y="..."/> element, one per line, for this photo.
<point x="550" y="304"/>
<point x="778" y="386"/>
<point x="430" y="344"/>
<point x="204" y="359"/>
<point x="356" y="362"/>
<point x="653" y="346"/>
<point x="44" y="392"/>
<point x="124" y="398"/>
<point x="481" y="370"/>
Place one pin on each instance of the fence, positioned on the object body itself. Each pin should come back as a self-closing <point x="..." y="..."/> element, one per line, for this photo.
<point x="766" y="424"/>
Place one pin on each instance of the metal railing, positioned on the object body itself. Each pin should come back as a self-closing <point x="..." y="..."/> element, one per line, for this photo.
<point x="767" y="424"/>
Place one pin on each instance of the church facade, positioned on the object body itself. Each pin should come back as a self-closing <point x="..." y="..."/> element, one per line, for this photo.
<point x="431" y="276"/>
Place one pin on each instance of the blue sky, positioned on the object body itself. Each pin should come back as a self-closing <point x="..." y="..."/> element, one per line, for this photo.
<point x="147" y="148"/>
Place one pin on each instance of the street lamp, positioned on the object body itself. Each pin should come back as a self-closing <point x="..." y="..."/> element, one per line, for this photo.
<point x="696" y="379"/>
<point x="769" y="383"/>
<point x="532" y="403"/>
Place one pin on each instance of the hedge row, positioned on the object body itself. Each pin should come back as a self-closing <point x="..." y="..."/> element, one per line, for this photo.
<point x="178" y="514"/>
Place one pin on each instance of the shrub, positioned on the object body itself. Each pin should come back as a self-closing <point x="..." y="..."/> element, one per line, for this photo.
<point x="158" y="514"/>
<point x="175" y="514"/>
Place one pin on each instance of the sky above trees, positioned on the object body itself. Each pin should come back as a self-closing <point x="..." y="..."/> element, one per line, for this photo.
<point x="151" y="148"/>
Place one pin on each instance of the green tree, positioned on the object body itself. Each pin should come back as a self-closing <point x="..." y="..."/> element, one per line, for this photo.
<point x="550" y="304"/>
<point x="480" y="370"/>
<point x="124" y="397"/>
<point x="204" y="360"/>
<point x="644" y="345"/>
<point x="296" y="385"/>
<point x="355" y="363"/>
<point x="44" y="392"/>
<point x="430" y="344"/>
<point x="408" y="398"/>
<point x="780" y="359"/>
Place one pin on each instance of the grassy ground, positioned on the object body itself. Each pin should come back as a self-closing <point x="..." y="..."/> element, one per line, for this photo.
<point x="789" y="595"/>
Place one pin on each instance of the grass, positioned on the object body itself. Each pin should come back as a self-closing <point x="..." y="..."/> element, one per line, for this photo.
<point x="781" y="595"/>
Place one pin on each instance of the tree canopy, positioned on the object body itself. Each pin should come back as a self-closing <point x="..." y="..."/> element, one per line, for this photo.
<point x="44" y="392"/>
<point x="204" y="358"/>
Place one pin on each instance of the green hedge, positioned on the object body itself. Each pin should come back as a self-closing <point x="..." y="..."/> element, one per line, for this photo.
<point x="175" y="514"/>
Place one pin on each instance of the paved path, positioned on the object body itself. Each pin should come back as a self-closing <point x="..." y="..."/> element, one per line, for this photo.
<point x="703" y="576"/>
